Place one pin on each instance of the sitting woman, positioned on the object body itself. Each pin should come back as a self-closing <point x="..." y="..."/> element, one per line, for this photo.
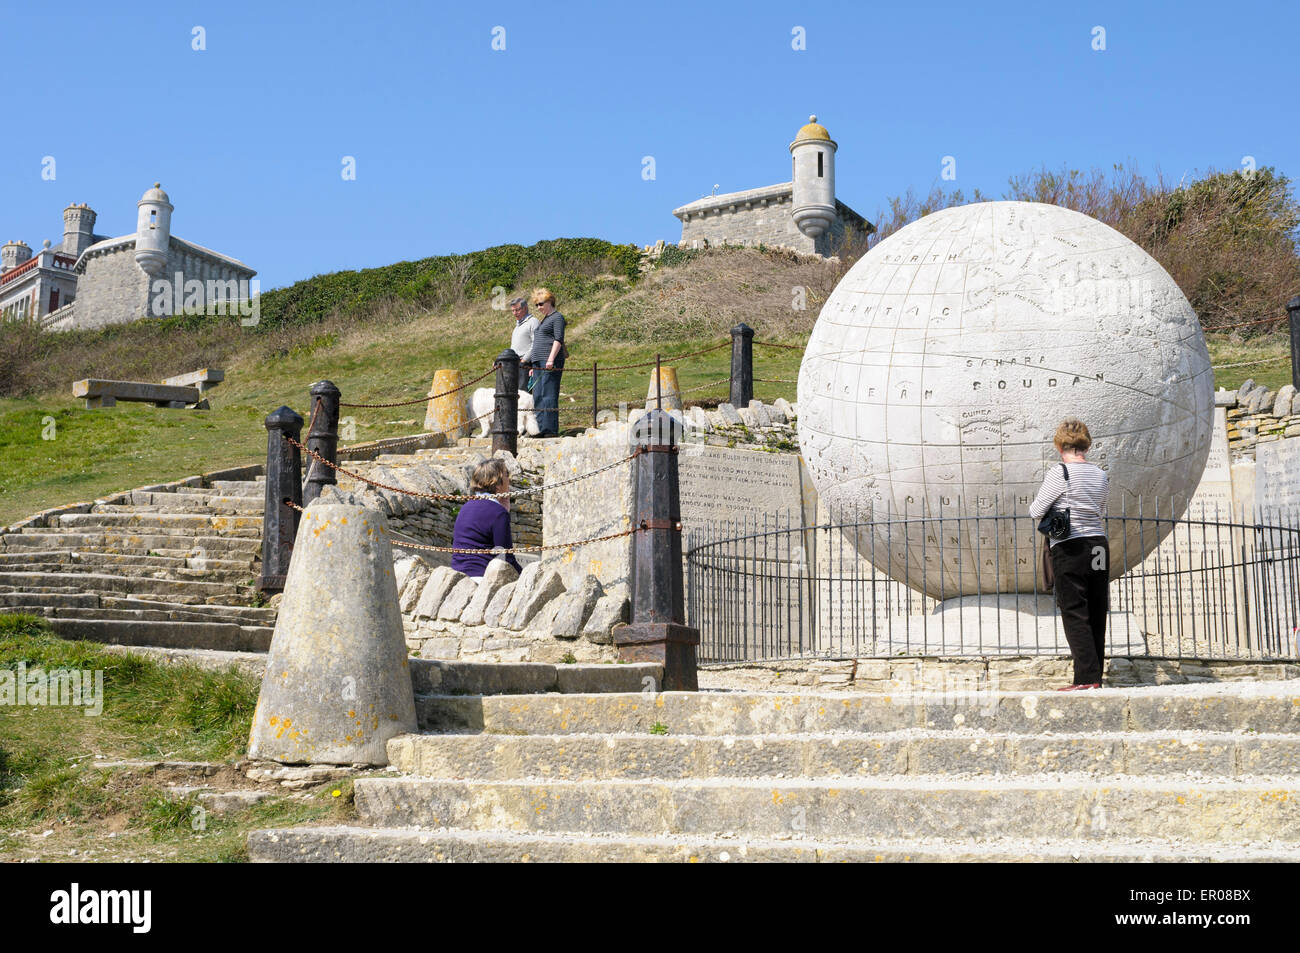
<point x="484" y="522"/>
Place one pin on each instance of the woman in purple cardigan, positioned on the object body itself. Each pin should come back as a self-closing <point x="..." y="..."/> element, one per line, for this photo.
<point x="484" y="522"/>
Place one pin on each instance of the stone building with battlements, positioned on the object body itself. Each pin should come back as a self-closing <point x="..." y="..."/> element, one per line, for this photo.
<point x="802" y="214"/>
<point x="90" y="280"/>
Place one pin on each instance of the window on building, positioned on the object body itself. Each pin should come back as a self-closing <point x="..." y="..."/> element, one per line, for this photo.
<point x="54" y="299"/>
<point x="153" y="213"/>
<point x="819" y="165"/>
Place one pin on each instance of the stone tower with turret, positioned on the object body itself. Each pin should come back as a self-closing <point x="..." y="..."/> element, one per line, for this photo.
<point x="812" y="156"/>
<point x="802" y="214"/>
<point x="153" y="229"/>
<point x="78" y="229"/>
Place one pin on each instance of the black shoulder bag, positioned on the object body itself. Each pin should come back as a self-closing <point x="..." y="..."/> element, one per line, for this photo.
<point x="1055" y="523"/>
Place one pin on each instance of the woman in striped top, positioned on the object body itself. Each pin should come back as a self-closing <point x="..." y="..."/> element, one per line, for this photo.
<point x="1081" y="561"/>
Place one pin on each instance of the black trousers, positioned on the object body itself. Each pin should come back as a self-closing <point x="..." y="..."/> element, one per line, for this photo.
<point x="1082" y="570"/>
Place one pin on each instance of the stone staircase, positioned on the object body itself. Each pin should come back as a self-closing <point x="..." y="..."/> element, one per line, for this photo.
<point x="170" y="566"/>
<point x="1167" y="773"/>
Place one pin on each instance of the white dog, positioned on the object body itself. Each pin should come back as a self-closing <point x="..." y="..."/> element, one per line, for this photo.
<point x="484" y="402"/>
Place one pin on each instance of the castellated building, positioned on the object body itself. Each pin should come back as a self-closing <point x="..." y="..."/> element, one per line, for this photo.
<point x="89" y="280"/>
<point x="802" y="214"/>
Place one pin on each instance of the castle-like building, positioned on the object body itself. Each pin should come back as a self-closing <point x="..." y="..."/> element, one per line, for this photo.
<point x="91" y="280"/>
<point x="802" y="214"/>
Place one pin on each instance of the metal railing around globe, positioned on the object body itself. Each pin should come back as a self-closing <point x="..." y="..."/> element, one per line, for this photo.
<point x="1195" y="584"/>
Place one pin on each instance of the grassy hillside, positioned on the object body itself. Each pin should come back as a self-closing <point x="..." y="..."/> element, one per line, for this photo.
<point x="384" y="347"/>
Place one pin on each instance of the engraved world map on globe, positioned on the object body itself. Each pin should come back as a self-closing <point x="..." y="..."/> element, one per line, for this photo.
<point x="943" y="362"/>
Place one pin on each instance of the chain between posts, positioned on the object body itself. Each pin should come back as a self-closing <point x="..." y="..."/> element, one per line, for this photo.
<point x="463" y="497"/>
<point x="421" y="400"/>
<point x="1267" y="360"/>
<point x="499" y="550"/>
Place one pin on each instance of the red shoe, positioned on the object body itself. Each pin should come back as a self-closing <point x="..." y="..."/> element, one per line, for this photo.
<point x="1079" y="688"/>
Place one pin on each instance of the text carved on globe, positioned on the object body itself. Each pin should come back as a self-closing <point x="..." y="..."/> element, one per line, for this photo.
<point x="943" y="362"/>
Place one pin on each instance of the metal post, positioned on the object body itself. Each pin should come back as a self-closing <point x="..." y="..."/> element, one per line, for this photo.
<point x="283" y="482"/>
<point x="505" y="416"/>
<point x="595" y="400"/>
<point x="658" y="631"/>
<point x="742" y="365"/>
<point x="659" y="384"/>
<point x="322" y="438"/>
<point x="1293" y="311"/>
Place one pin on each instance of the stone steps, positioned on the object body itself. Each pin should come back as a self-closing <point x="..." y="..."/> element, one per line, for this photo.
<point x="215" y="506"/>
<point x="168" y="567"/>
<point x="221" y="635"/>
<point x="1169" y="773"/>
<point x="248" y="526"/>
<point x="1272" y="707"/>
<point x="590" y="757"/>
<point x="73" y="603"/>
<point x="849" y="809"/>
<point x="138" y="544"/>
<point x="180" y="613"/>
<point x="370" y="845"/>
<point x="190" y="591"/>
<point x="239" y="574"/>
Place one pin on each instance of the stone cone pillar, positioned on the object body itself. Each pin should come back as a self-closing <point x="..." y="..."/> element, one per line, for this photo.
<point x="665" y="377"/>
<point x="337" y="683"/>
<point x="447" y="415"/>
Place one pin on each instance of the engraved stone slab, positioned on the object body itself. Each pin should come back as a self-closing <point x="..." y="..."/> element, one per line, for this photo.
<point x="1277" y="474"/>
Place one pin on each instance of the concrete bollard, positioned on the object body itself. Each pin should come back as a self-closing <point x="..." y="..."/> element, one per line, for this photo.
<point x="446" y="414"/>
<point x="338" y="682"/>
<point x="664" y="379"/>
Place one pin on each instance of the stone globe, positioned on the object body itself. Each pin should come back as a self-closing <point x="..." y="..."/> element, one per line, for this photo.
<point x="942" y="364"/>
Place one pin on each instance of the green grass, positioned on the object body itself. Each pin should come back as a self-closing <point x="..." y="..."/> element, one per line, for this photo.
<point x="151" y="711"/>
<point x="98" y="452"/>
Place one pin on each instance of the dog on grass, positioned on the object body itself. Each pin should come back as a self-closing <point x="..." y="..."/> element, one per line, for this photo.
<point x="484" y="402"/>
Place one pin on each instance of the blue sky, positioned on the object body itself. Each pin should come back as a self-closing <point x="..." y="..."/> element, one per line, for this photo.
<point x="459" y="146"/>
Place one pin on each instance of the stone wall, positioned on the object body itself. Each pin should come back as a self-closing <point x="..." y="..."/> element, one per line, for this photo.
<point x="112" y="290"/>
<point x="1258" y="415"/>
<point x="734" y="224"/>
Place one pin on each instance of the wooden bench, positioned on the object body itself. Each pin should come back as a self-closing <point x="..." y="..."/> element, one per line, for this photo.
<point x="183" y="390"/>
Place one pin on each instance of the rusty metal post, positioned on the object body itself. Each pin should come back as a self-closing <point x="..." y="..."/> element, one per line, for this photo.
<point x="283" y="482"/>
<point x="505" y="415"/>
<point x="595" y="400"/>
<point x="1293" y="312"/>
<point x="658" y="631"/>
<point x="322" y="438"/>
<point x="742" y="365"/>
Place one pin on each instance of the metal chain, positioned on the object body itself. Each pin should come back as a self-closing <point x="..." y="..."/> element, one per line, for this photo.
<point x="773" y="380"/>
<point x="421" y="400"/>
<point x="724" y="380"/>
<point x="1269" y="360"/>
<point x="496" y="550"/>
<point x="788" y="347"/>
<point x="461" y="497"/>
<point x="660" y="360"/>
<point x="1245" y="324"/>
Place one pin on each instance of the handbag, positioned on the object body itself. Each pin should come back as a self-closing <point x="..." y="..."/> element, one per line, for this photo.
<point x="1055" y="523"/>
